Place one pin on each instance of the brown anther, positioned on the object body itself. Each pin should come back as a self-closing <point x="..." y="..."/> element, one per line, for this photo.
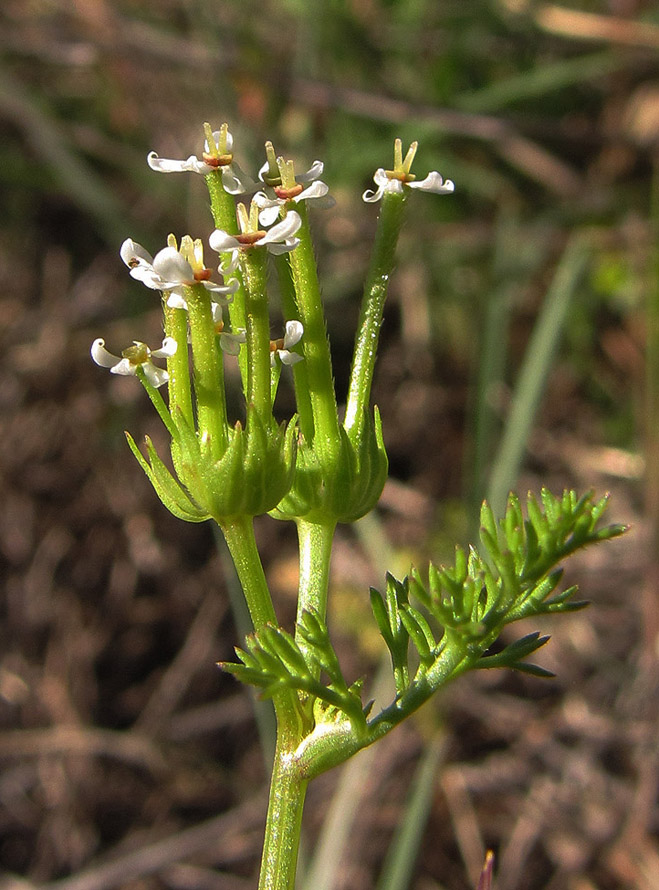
<point x="285" y="194"/>
<point x="276" y="344"/>
<point x="217" y="160"/>
<point x="203" y="275"/>
<point x="249" y="238"/>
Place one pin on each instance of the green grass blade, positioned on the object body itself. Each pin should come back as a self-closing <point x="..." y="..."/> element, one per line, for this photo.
<point x="535" y="370"/>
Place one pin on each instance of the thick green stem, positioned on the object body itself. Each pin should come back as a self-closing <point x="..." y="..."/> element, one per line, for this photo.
<point x="315" y="343"/>
<point x="370" y="319"/>
<point x="287" y="788"/>
<point x="284" y="822"/>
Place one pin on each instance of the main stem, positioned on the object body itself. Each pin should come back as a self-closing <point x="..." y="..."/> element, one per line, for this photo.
<point x="287" y="787"/>
<point x="284" y="821"/>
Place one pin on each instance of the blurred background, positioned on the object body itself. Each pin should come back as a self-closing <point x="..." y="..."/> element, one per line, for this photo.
<point x="519" y="349"/>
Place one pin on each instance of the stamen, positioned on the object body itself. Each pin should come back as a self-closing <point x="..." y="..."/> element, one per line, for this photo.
<point x="287" y="194"/>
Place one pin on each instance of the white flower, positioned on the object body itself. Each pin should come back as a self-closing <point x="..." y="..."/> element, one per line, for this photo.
<point x="270" y="173"/>
<point x="173" y="270"/>
<point x="395" y="180"/>
<point x="283" y="186"/>
<point x="217" y="155"/>
<point x="269" y="207"/>
<point x="279" y="239"/>
<point x="136" y="356"/>
<point x="281" y="348"/>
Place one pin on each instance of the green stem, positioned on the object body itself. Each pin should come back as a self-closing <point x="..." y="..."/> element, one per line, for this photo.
<point x="239" y="535"/>
<point x="370" y="319"/>
<point x="180" y="395"/>
<point x="300" y="373"/>
<point x="284" y="822"/>
<point x="316" y="349"/>
<point x="223" y="208"/>
<point x="287" y="787"/>
<point x="315" y="541"/>
<point x="208" y="372"/>
<point x="253" y="265"/>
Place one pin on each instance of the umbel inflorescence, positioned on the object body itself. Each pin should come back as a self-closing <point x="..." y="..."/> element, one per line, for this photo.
<point x="215" y="303"/>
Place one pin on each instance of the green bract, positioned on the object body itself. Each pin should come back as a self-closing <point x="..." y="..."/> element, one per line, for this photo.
<point x="345" y="490"/>
<point x="249" y="479"/>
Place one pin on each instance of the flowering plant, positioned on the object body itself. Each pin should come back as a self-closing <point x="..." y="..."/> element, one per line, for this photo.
<point x="318" y="469"/>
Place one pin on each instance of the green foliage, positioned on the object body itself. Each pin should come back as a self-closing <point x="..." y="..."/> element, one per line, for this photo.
<point x="273" y="660"/>
<point x="461" y="612"/>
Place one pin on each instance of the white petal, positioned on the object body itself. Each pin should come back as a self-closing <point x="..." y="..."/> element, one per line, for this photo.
<point x="230" y="264"/>
<point x="283" y="230"/>
<point x="230" y="343"/>
<point x="288" y="358"/>
<point x="168" y="348"/>
<point x="222" y="241"/>
<point x="264" y="169"/>
<point x="131" y="252"/>
<point x="101" y="356"/>
<point x="124" y="368"/>
<point x="221" y="289"/>
<point x="235" y="181"/>
<point x="293" y="335"/>
<point x="269" y="214"/>
<point x="434" y="183"/>
<point x="172" y="266"/>
<point x="278" y="248"/>
<point x="317" y="189"/>
<point x="314" y="172"/>
<point x="381" y="180"/>
<point x="371" y="196"/>
<point x="176" y="301"/>
<point x="167" y="165"/>
<point x="156" y="376"/>
<point x="147" y="275"/>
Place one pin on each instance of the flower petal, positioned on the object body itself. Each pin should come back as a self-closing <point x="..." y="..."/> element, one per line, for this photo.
<point x="288" y="358"/>
<point x="278" y="248"/>
<point x="284" y="229"/>
<point x="156" y="376"/>
<point x="314" y="172"/>
<point x="101" y="356"/>
<point x="124" y="368"/>
<point x="236" y="181"/>
<point x="167" y="165"/>
<point x="172" y="267"/>
<point x="222" y="241"/>
<point x="131" y="252"/>
<point x="434" y="183"/>
<point x="293" y="335"/>
<point x="176" y="301"/>
<point x="168" y="348"/>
